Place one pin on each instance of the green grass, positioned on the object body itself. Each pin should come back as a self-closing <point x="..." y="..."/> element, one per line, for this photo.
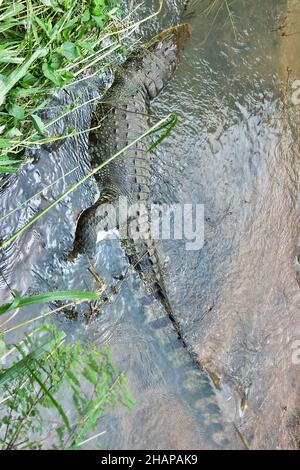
<point x="43" y="371"/>
<point x="45" y="45"/>
<point x="20" y="302"/>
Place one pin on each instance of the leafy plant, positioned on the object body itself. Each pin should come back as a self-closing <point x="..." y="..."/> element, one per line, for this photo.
<point x="44" y="46"/>
<point x="45" y="371"/>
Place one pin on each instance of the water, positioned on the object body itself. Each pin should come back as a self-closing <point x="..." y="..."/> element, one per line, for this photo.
<point x="235" y="150"/>
<point x="237" y="145"/>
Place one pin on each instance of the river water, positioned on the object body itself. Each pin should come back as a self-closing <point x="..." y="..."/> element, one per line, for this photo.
<point x="235" y="149"/>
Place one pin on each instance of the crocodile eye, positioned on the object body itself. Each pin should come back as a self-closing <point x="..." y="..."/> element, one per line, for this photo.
<point x="138" y="213"/>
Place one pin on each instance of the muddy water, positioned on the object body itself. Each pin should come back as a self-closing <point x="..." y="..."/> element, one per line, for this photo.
<point x="237" y="146"/>
<point x="235" y="150"/>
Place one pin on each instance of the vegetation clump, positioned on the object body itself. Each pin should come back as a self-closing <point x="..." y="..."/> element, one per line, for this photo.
<point x="45" y="45"/>
<point x="44" y="372"/>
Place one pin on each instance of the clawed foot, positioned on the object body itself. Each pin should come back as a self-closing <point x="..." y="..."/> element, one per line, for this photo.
<point x="68" y="310"/>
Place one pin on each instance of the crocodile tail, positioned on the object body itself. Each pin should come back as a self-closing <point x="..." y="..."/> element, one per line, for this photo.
<point x="192" y="382"/>
<point x="143" y="256"/>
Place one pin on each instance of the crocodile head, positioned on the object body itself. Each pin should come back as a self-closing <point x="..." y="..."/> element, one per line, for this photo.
<point x="170" y="38"/>
<point x="164" y="56"/>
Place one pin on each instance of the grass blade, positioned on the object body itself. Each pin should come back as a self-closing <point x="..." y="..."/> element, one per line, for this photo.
<point x="51" y="398"/>
<point x="20" y="367"/>
<point x="49" y="297"/>
<point x="22" y="204"/>
<point x="16" y="75"/>
<point x="168" y="126"/>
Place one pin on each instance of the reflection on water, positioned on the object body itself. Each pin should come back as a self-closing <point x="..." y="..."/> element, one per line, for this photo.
<point x="235" y="150"/>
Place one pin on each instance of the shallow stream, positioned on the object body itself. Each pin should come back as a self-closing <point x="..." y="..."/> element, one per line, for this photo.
<point x="235" y="149"/>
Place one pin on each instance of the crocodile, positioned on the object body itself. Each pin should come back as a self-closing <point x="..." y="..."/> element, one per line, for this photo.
<point x="141" y="79"/>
